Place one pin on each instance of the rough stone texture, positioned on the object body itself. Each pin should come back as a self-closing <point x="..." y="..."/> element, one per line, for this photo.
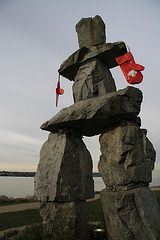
<point x="64" y="172"/>
<point x="92" y="116"/>
<point x="93" y="79"/>
<point x="127" y="158"/>
<point x="91" y="31"/>
<point x="65" y="220"/>
<point x="131" y="215"/>
<point x="106" y="53"/>
<point x="64" y="176"/>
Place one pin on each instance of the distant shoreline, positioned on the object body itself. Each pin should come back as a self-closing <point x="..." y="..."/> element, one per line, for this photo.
<point x="16" y="174"/>
<point x="29" y="174"/>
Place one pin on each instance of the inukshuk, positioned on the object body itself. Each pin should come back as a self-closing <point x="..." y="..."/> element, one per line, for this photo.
<point x="64" y="181"/>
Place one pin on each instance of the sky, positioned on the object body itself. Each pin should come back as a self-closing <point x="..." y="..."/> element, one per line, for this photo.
<point x="36" y="36"/>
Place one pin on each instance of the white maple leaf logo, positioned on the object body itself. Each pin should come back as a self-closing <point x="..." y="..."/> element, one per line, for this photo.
<point x="132" y="73"/>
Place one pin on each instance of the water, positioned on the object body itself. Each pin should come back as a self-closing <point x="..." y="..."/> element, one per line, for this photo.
<point x="98" y="184"/>
<point x="24" y="186"/>
<point x="17" y="186"/>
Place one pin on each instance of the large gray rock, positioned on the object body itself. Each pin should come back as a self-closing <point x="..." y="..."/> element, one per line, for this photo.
<point x="127" y="158"/>
<point x="64" y="172"/>
<point x="65" y="220"/>
<point x="106" y="53"/>
<point x="92" y="116"/>
<point x="91" y="31"/>
<point x="131" y="215"/>
<point x="93" y="79"/>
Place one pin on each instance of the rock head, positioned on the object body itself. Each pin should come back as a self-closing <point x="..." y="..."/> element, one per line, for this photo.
<point x="91" y="31"/>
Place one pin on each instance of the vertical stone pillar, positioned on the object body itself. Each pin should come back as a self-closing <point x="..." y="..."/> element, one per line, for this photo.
<point x="63" y="182"/>
<point x="131" y="214"/>
<point x="126" y="164"/>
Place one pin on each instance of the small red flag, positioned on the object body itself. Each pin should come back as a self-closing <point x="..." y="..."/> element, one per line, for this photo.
<point x="59" y="91"/>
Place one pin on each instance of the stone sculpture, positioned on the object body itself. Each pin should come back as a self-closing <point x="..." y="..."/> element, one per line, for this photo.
<point x="64" y="181"/>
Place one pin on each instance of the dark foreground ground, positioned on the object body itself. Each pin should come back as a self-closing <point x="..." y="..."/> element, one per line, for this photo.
<point x="25" y="220"/>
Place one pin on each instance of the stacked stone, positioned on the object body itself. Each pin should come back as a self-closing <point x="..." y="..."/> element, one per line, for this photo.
<point x="129" y="206"/>
<point x="64" y="181"/>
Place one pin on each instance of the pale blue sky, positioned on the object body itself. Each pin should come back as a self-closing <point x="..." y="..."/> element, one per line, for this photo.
<point x="36" y="37"/>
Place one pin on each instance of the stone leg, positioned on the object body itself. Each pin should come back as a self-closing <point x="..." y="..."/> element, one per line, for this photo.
<point x="68" y="219"/>
<point x="63" y="182"/>
<point x="131" y="215"/>
<point x="64" y="172"/>
<point x="127" y="158"/>
<point x="129" y="206"/>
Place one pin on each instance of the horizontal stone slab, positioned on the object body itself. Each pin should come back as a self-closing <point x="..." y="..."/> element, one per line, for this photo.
<point x="91" y="116"/>
<point x="106" y="52"/>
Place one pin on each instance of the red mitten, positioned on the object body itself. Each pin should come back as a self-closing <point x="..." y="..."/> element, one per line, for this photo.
<point x="59" y="91"/>
<point x="130" y="69"/>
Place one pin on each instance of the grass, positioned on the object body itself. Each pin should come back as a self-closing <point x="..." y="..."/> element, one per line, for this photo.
<point x="27" y="217"/>
<point x="32" y="217"/>
<point x="18" y="219"/>
<point x="157" y="193"/>
<point x="17" y="201"/>
<point x="21" y="218"/>
<point x="34" y="232"/>
<point x="95" y="211"/>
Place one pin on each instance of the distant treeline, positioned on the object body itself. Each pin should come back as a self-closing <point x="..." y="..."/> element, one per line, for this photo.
<point x="31" y="174"/>
<point x="96" y="174"/>
<point x="17" y="174"/>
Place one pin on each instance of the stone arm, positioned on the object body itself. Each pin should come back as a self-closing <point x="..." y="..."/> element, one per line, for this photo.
<point x="106" y="53"/>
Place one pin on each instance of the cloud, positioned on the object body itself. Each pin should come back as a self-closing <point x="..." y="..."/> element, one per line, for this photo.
<point x="18" y="149"/>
